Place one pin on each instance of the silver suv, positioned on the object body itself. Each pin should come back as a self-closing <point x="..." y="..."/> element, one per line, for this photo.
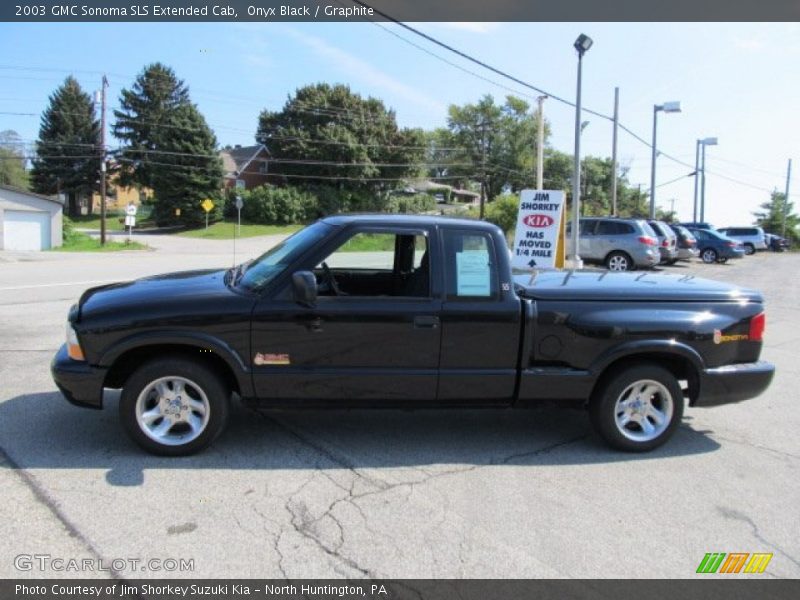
<point x="667" y="241"/>
<point x="619" y="244"/>
<point x="752" y="238"/>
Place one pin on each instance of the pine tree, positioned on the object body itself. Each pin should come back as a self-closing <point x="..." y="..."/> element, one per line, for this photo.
<point x="167" y="146"/>
<point x="67" y="154"/>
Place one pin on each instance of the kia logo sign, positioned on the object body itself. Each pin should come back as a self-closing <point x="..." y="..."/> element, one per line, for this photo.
<point x="538" y="220"/>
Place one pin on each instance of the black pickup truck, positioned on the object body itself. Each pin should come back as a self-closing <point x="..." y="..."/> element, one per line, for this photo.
<point x="409" y="312"/>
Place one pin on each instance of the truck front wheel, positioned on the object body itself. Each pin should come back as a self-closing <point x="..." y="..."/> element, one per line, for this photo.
<point x="637" y="409"/>
<point x="174" y="406"/>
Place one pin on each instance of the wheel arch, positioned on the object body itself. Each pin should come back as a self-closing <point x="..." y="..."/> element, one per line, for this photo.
<point x="682" y="361"/>
<point x="123" y="359"/>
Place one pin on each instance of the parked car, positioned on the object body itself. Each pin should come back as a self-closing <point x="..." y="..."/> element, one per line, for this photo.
<point x="752" y="238"/>
<point x="776" y="243"/>
<point x="697" y="225"/>
<point x="667" y="241"/>
<point x="619" y="244"/>
<point x="715" y="247"/>
<point x="434" y="319"/>
<point x="687" y="243"/>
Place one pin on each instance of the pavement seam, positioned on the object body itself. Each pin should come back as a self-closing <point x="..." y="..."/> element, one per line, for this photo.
<point x="50" y="504"/>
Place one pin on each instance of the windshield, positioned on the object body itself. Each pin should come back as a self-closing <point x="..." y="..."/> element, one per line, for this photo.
<point x="272" y="263"/>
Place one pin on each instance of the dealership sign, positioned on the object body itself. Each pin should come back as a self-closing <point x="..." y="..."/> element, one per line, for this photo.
<point x="539" y="239"/>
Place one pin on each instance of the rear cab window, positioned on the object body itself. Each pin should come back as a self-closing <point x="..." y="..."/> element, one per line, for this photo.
<point x="470" y="266"/>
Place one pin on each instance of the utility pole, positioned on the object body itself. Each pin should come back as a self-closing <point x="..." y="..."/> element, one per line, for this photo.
<point x="540" y="144"/>
<point x="614" y="154"/>
<point x="786" y="198"/>
<point x="696" y="179"/>
<point x="484" y="190"/>
<point x="103" y="161"/>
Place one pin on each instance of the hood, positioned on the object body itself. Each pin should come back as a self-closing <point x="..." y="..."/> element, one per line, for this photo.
<point x="644" y="286"/>
<point x="169" y="292"/>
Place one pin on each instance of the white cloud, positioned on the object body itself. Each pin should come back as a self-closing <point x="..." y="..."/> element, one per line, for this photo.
<point x="360" y="69"/>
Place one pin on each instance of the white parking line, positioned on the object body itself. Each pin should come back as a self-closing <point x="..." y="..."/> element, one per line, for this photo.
<point x="47" y="285"/>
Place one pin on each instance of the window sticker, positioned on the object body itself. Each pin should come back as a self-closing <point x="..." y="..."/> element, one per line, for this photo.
<point x="472" y="273"/>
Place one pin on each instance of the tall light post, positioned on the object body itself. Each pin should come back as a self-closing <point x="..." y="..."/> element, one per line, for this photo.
<point x="706" y="142"/>
<point x="667" y="107"/>
<point x="582" y="44"/>
<point x="540" y="143"/>
<point x="710" y="141"/>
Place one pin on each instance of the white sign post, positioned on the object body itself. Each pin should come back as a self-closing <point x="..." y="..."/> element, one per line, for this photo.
<point x="539" y="229"/>
<point x="130" y="219"/>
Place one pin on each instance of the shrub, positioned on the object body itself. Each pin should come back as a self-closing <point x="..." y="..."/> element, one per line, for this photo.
<point x="416" y="203"/>
<point x="503" y="212"/>
<point x="273" y="205"/>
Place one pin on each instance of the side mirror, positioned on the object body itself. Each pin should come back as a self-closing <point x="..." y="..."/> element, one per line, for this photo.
<point x="304" y="286"/>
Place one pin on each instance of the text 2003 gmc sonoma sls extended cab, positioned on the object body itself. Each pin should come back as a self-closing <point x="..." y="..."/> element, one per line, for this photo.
<point x="412" y="312"/>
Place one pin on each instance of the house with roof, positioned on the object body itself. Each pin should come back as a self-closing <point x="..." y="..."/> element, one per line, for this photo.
<point x="29" y="221"/>
<point x="245" y="166"/>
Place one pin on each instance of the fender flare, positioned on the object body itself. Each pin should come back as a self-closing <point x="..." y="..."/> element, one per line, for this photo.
<point x="643" y="348"/>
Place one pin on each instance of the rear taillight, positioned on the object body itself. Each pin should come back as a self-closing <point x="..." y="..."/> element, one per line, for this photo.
<point x="731" y="244"/>
<point x="647" y="240"/>
<point x="690" y="242"/>
<point x="665" y="243"/>
<point x="757" y="325"/>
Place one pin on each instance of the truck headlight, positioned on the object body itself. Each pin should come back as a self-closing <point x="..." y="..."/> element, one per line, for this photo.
<point x="73" y="345"/>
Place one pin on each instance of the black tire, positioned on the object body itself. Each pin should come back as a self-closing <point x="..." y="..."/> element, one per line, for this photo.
<point x="709" y="255"/>
<point x="202" y="387"/>
<point x="672" y="261"/>
<point x="619" y="261"/>
<point x="749" y="249"/>
<point x="662" y="392"/>
<point x="722" y="260"/>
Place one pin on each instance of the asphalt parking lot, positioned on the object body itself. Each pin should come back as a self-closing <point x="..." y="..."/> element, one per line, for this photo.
<point x="435" y="494"/>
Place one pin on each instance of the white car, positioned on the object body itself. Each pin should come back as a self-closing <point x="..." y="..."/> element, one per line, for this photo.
<point x="752" y="238"/>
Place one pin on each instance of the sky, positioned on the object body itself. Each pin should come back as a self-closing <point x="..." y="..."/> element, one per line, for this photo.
<point x="735" y="81"/>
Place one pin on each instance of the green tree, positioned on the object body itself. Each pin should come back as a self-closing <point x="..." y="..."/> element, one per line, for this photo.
<point x="770" y="217"/>
<point x="327" y="136"/>
<point x="67" y="155"/>
<point x="496" y="141"/>
<point x="167" y="146"/>
<point x="12" y="160"/>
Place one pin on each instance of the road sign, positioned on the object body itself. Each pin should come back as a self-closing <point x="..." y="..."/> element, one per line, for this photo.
<point x="130" y="221"/>
<point x="130" y="210"/>
<point x="239" y="203"/>
<point x="207" y="205"/>
<point x="536" y="241"/>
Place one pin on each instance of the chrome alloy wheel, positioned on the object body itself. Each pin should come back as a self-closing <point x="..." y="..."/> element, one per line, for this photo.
<point x="643" y="410"/>
<point x="618" y="263"/>
<point x="172" y="410"/>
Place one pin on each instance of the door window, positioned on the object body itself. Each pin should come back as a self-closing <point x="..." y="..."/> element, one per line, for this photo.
<point x="376" y="264"/>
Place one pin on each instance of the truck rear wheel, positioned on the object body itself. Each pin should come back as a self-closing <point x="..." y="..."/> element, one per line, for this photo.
<point x="637" y="409"/>
<point x="174" y="406"/>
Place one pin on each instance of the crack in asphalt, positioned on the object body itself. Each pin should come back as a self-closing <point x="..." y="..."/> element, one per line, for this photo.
<point x="733" y="514"/>
<point x="41" y="495"/>
<point x="307" y="526"/>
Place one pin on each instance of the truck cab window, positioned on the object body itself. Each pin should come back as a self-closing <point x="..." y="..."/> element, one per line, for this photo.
<point x="470" y="266"/>
<point x="376" y="264"/>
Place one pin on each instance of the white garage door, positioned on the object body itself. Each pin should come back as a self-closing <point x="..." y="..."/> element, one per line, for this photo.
<point x="24" y="230"/>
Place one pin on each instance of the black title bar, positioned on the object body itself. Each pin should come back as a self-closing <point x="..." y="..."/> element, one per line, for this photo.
<point x="401" y="10"/>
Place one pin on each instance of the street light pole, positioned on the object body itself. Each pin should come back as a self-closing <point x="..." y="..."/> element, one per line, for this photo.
<point x="582" y="44"/>
<point x="786" y="198"/>
<point x="667" y="107"/>
<point x="711" y="141"/>
<point x="614" y="154"/>
<point x="103" y="161"/>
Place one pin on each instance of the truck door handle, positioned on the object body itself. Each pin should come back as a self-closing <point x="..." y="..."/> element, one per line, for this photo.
<point x="426" y="322"/>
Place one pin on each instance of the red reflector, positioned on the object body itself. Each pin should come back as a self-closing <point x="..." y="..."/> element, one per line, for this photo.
<point x="757" y="325"/>
<point x="665" y="243"/>
<point x="647" y="240"/>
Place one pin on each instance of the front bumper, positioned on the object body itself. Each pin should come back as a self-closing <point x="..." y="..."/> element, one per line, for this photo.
<point x="81" y="383"/>
<point x="733" y="383"/>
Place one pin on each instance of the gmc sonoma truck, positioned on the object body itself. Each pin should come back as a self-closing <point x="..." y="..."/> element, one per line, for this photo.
<point x="409" y="312"/>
